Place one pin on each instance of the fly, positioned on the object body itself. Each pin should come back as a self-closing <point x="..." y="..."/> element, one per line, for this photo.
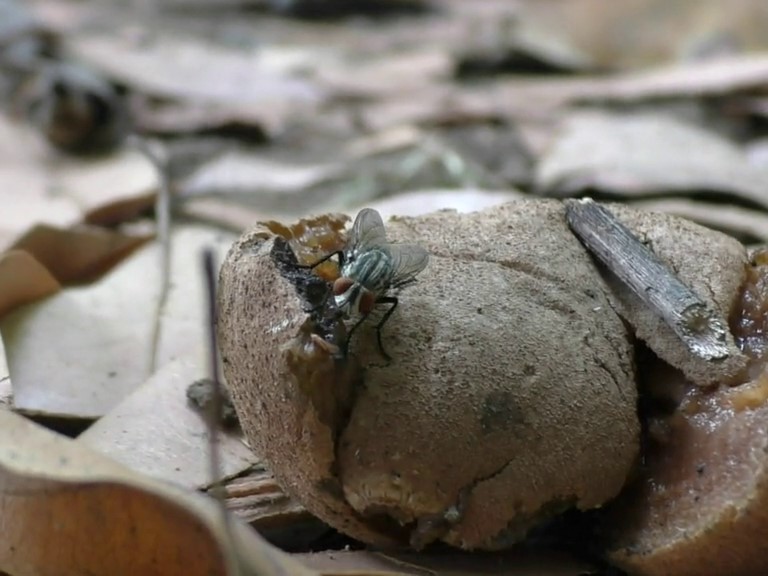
<point x="370" y="269"/>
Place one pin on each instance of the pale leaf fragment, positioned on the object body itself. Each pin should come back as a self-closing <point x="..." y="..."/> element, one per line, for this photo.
<point x="156" y="432"/>
<point x="82" y="351"/>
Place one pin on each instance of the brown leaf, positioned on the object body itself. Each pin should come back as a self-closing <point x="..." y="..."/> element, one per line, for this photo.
<point x="82" y="351"/>
<point x="23" y="279"/>
<point x="78" y="254"/>
<point x="156" y="432"/>
<point x="634" y="156"/>
<point x="68" y="510"/>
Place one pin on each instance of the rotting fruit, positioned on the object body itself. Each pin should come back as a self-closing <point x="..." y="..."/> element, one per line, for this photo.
<point x="510" y="397"/>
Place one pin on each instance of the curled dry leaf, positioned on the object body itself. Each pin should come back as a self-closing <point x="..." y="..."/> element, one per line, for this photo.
<point x="509" y="365"/>
<point x="82" y="351"/>
<point x="640" y="155"/>
<point x="68" y="510"/>
<point x="156" y="432"/>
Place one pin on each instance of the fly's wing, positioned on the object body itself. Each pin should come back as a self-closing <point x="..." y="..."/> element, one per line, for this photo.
<point x="367" y="231"/>
<point x="407" y="261"/>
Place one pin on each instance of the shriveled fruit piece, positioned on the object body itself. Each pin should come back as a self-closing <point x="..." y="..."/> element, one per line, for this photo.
<point x="700" y="506"/>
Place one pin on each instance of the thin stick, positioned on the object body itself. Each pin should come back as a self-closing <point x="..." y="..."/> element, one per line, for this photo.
<point x="163" y="214"/>
<point x="698" y="326"/>
<point x="214" y="412"/>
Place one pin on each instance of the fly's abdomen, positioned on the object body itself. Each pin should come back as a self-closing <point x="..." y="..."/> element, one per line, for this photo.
<point x="373" y="269"/>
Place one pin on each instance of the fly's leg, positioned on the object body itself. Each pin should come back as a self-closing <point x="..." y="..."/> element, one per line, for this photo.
<point x="351" y="331"/>
<point x="385" y="300"/>
<point x="382" y="300"/>
<point x="325" y="258"/>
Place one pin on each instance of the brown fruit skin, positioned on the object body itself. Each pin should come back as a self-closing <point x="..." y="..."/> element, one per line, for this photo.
<point x="288" y="420"/>
<point x="511" y="394"/>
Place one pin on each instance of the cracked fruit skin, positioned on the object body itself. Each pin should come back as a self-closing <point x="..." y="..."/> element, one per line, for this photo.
<point x="510" y="396"/>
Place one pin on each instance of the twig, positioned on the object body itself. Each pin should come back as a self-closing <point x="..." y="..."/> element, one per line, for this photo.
<point x="698" y="326"/>
<point x="213" y="415"/>
<point x="163" y="215"/>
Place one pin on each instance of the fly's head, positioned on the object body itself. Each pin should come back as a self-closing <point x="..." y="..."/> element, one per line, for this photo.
<point x="352" y="298"/>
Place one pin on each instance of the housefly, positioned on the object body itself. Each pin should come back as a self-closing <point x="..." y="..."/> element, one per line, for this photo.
<point x="371" y="268"/>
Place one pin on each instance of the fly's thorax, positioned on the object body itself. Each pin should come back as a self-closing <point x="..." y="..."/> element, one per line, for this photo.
<point x="371" y="268"/>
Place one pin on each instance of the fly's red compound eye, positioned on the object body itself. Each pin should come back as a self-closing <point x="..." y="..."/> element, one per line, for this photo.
<point x="341" y="285"/>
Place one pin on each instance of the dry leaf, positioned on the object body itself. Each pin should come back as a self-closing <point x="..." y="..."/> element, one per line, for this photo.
<point x="67" y="510"/>
<point x="22" y="280"/>
<point x="252" y="178"/>
<point x="424" y="201"/>
<point x="387" y="75"/>
<point x="515" y="563"/>
<point x="640" y="32"/>
<point x="258" y="499"/>
<point x="6" y="391"/>
<point x="39" y="186"/>
<point x="192" y="69"/>
<point x="25" y="193"/>
<point x="82" y="351"/>
<point x="743" y="223"/>
<point x="633" y="156"/>
<point x="108" y="190"/>
<point x="172" y="118"/>
<point x="718" y="77"/>
<point x="156" y="432"/>
<point x="224" y="213"/>
<point x="79" y="254"/>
